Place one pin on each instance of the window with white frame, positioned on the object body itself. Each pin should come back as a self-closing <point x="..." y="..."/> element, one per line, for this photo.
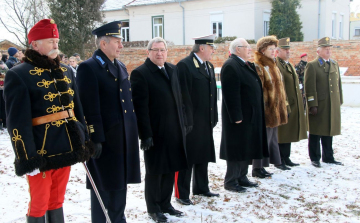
<point x="357" y="31"/>
<point x="333" y="24"/>
<point x="158" y="26"/>
<point x="216" y="23"/>
<point x="341" y="24"/>
<point x="125" y="31"/>
<point x="266" y="18"/>
<point x="217" y="28"/>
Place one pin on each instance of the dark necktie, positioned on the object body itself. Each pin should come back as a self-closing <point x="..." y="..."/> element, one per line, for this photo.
<point x="163" y="70"/>
<point x="206" y="68"/>
<point x="328" y="62"/>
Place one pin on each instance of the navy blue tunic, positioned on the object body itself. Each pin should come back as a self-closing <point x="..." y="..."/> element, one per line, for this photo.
<point x="105" y="93"/>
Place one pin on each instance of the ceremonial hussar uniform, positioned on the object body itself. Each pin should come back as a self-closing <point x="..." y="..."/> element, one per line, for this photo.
<point x="106" y="96"/>
<point x="323" y="92"/>
<point x="199" y="92"/>
<point x="46" y="125"/>
<point x="295" y="129"/>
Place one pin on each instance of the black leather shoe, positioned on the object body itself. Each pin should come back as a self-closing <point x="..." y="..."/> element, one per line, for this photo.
<point x="257" y="172"/>
<point x="184" y="201"/>
<point x="235" y="188"/>
<point x="282" y="167"/>
<point x="266" y="173"/>
<point x="158" y="217"/>
<point x="172" y="211"/>
<point x="288" y="162"/>
<point x="333" y="162"/>
<point x="245" y="182"/>
<point x="208" y="194"/>
<point x="316" y="163"/>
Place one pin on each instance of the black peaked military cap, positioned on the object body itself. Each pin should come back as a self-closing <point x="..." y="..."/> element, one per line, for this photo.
<point x="111" y="29"/>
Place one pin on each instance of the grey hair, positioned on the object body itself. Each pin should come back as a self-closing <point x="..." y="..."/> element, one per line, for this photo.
<point x="38" y="41"/>
<point x="156" y="40"/>
<point x="234" y="44"/>
<point x="196" y="48"/>
<point x="98" y="40"/>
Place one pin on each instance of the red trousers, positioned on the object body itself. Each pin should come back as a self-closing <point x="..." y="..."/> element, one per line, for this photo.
<point x="47" y="191"/>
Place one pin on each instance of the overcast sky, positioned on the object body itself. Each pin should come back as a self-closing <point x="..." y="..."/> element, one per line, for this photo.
<point x="4" y="34"/>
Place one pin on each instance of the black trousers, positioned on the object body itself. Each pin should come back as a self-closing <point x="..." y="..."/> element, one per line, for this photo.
<point x="158" y="191"/>
<point x="200" y="181"/>
<point x="285" y="150"/>
<point x="314" y="148"/>
<point x="235" y="171"/>
<point x="114" y="201"/>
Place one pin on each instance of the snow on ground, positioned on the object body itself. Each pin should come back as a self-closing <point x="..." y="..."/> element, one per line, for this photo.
<point x="302" y="194"/>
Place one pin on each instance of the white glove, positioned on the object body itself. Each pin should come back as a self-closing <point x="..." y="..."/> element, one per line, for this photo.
<point x="33" y="173"/>
<point x="300" y="86"/>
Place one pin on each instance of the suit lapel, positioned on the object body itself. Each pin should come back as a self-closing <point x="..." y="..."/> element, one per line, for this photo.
<point x="200" y="67"/>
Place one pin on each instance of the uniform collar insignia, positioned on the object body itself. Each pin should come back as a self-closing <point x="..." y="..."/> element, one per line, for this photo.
<point x="100" y="59"/>
<point x="321" y="61"/>
<point x="196" y="63"/>
<point x="282" y="61"/>
<point x="209" y="65"/>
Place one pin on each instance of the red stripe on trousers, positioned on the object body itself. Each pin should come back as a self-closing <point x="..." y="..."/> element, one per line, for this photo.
<point x="176" y="186"/>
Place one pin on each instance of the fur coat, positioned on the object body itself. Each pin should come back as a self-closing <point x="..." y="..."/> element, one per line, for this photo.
<point x="275" y="102"/>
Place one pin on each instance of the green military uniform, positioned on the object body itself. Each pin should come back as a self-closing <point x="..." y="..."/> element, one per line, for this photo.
<point x="323" y="90"/>
<point x="296" y="128"/>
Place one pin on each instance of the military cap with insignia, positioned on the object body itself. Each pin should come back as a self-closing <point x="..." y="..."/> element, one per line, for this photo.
<point x="323" y="42"/>
<point x="209" y="39"/>
<point x="284" y="43"/>
<point x="111" y="29"/>
<point x="44" y="29"/>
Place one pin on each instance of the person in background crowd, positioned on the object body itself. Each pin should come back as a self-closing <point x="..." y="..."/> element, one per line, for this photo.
<point x="64" y="59"/>
<point x="73" y="64"/>
<point x="20" y="55"/>
<point x="296" y="128"/>
<point x="4" y="58"/>
<point x="199" y="92"/>
<point x="46" y="127"/>
<point x="324" y="97"/>
<point x="3" y="70"/>
<point x="78" y="59"/>
<point x="13" y="53"/>
<point x="105" y="93"/>
<point x="300" y="70"/>
<point x="276" y="106"/>
<point x="244" y="132"/>
<point x="159" y="111"/>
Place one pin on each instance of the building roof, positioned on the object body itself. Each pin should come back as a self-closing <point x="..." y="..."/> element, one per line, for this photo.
<point x="110" y="5"/>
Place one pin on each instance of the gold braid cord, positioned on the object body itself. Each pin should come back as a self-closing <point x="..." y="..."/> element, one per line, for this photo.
<point x="16" y="138"/>
<point x="50" y="96"/>
<point x="38" y="71"/>
<point x="55" y="108"/>
<point x="43" y="151"/>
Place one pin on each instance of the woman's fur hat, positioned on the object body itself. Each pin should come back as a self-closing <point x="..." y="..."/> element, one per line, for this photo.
<point x="265" y="41"/>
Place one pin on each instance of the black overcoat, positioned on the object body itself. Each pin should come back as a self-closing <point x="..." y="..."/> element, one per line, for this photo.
<point x="200" y="99"/>
<point x="105" y="93"/>
<point x="242" y="100"/>
<point x="159" y="110"/>
<point x="36" y="88"/>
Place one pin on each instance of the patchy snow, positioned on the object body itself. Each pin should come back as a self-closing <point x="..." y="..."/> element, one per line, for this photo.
<point x="302" y="194"/>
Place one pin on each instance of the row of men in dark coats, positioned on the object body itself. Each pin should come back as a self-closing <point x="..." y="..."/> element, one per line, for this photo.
<point x="172" y="109"/>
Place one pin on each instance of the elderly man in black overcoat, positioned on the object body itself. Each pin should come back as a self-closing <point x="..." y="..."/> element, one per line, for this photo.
<point x="105" y="92"/>
<point x="159" y="110"/>
<point x="199" y="92"/>
<point x="244" y="132"/>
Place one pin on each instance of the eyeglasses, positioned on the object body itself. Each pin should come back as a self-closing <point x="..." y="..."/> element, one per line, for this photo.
<point x="249" y="47"/>
<point x="159" y="50"/>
